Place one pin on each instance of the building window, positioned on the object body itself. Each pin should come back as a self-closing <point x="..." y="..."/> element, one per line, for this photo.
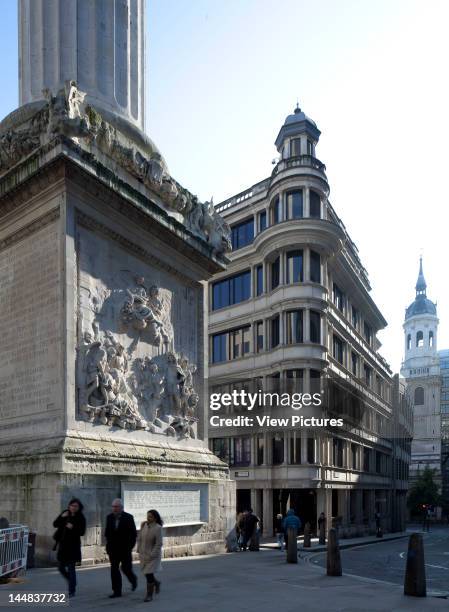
<point x="231" y="290"/>
<point x="354" y="317"/>
<point x="419" y="396"/>
<point x="409" y="342"/>
<point x="315" y="381"/>
<point x="242" y="234"/>
<point x="278" y="449"/>
<point x="219" y="347"/>
<point x="242" y="451"/>
<point x="367" y="333"/>
<point x="310" y="450"/>
<point x="315" y="205"/>
<point x="295" y="381"/>
<point x="309" y="147"/>
<point x="338" y="452"/>
<point x="295" y="327"/>
<point x="295" y="147"/>
<point x="315" y="267"/>
<point x="367" y="371"/>
<point x="275" y="270"/>
<point x="295" y="267"/>
<point x="295" y="448"/>
<point x="220" y="448"/>
<point x="295" y="205"/>
<point x="354" y="363"/>
<point x="231" y="344"/>
<point x="259" y="280"/>
<point x="262" y="221"/>
<point x="431" y="339"/>
<point x="276" y="211"/>
<point x="275" y="332"/>
<point x="315" y="326"/>
<point x="338" y="349"/>
<point x="366" y="459"/>
<point x="240" y="342"/>
<point x="260" y="449"/>
<point x="338" y="297"/>
<point x="259" y="336"/>
<point x="355" y="465"/>
<point x="419" y="339"/>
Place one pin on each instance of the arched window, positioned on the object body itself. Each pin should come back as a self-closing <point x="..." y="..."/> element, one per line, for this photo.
<point x="419" y="339"/>
<point x="409" y="342"/>
<point x="419" y="396"/>
<point x="431" y="339"/>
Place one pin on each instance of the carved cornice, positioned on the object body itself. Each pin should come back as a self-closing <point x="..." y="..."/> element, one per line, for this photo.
<point x="30" y="229"/>
<point x="96" y="226"/>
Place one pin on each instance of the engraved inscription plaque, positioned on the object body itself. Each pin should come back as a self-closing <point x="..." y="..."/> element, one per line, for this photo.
<point x="177" y="503"/>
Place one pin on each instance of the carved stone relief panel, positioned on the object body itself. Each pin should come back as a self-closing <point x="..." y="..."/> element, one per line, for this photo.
<point x="138" y="342"/>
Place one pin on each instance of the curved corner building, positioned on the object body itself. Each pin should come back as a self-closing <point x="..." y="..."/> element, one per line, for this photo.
<point x="294" y="306"/>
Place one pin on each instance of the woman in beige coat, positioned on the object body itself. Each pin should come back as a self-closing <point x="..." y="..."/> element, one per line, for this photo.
<point x="149" y="547"/>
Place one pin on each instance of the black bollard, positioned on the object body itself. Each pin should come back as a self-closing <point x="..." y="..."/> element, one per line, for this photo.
<point x="292" y="546"/>
<point x="322" y="534"/>
<point x="333" y="561"/>
<point x="415" y="571"/>
<point x="307" y="536"/>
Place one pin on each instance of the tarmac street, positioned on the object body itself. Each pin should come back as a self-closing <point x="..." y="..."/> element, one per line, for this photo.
<point x="387" y="560"/>
<point x="247" y="581"/>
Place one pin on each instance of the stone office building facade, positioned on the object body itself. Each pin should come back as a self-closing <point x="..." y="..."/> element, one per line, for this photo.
<point x="294" y="309"/>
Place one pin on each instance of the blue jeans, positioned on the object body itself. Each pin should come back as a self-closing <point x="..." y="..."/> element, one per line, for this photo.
<point x="69" y="573"/>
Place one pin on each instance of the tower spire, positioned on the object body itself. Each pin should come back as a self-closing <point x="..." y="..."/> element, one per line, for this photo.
<point x="421" y="284"/>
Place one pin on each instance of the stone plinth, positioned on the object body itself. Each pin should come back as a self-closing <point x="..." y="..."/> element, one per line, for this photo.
<point x="102" y="258"/>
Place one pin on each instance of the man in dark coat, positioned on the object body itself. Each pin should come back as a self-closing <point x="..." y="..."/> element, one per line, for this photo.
<point x="250" y="522"/>
<point x="120" y="534"/>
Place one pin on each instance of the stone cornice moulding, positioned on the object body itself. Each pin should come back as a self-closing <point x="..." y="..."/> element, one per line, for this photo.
<point x="30" y="228"/>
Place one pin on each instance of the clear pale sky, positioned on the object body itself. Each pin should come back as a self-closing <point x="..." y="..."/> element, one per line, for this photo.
<point x="222" y="76"/>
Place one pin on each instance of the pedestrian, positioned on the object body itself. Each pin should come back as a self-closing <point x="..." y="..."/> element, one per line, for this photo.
<point x="70" y="526"/>
<point x="291" y="520"/>
<point x="121" y="535"/>
<point x="240" y="529"/>
<point x="250" y="523"/>
<point x="149" y="547"/>
<point x="279" y="531"/>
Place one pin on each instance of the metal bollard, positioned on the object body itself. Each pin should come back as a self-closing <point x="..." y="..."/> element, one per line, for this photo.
<point x="322" y="534"/>
<point x="333" y="560"/>
<point x="415" y="571"/>
<point x="307" y="536"/>
<point x="292" y="546"/>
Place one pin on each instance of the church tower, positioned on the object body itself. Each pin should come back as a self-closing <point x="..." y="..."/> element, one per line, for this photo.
<point x="422" y="373"/>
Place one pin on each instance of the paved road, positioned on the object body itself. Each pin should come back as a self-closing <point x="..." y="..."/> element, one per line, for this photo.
<point x="386" y="560"/>
<point x="241" y="582"/>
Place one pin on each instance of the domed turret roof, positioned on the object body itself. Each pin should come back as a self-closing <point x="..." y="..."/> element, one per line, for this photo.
<point x="296" y="124"/>
<point x="421" y="304"/>
<point x="298" y="116"/>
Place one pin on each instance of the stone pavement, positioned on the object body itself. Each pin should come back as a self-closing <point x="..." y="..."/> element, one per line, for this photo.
<point x="248" y="581"/>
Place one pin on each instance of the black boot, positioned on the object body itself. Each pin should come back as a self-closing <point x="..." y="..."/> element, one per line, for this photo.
<point x="150" y="589"/>
<point x="158" y="586"/>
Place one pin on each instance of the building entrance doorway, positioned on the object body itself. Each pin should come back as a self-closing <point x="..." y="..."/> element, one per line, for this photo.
<point x="303" y="502"/>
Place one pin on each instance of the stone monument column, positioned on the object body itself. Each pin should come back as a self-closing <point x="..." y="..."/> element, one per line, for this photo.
<point x="98" y="44"/>
<point x="103" y="260"/>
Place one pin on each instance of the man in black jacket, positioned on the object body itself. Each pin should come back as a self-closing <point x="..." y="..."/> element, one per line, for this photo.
<point x="120" y="534"/>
